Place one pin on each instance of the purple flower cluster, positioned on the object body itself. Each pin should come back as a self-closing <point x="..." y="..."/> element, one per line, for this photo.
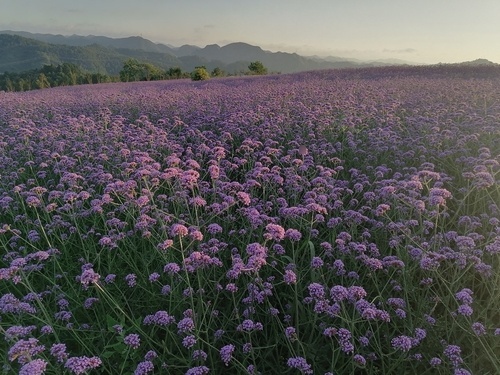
<point x="133" y="340"/>
<point x="226" y="353"/>
<point x="80" y="365"/>
<point x="300" y="364"/>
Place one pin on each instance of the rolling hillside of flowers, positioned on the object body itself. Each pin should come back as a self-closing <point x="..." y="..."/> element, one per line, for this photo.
<point x="333" y="222"/>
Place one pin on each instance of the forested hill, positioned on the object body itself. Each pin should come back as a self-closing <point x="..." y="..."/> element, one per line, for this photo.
<point x="19" y="54"/>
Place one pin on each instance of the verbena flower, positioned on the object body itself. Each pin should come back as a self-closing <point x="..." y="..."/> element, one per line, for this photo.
<point x="24" y="350"/>
<point x="133" y="340"/>
<point x="144" y="368"/>
<point x="290" y="277"/>
<point x="58" y="351"/>
<point x="403" y="343"/>
<point x="198" y="370"/>
<point x="300" y="364"/>
<point x="185" y="325"/>
<point x="478" y="328"/>
<point x="359" y="360"/>
<point x="189" y="341"/>
<point x="80" y="365"/>
<point x="35" y="367"/>
<point x="434" y="361"/>
<point x="453" y="353"/>
<point x="226" y="353"/>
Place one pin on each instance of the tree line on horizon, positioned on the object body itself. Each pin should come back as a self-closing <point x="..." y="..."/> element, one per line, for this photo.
<point x="68" y="74"/>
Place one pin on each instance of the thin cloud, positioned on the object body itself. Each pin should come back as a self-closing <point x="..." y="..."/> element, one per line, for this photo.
<point x="404" y="50"/>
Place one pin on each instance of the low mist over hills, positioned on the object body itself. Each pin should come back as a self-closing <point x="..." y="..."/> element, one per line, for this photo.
<point x="20" y="51"/>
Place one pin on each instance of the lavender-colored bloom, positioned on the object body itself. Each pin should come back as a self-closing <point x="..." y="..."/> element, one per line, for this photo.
<point x="478" y="329"/>
<point x="171" y="268"/>
<point x="247" y="347"/>
<point x="231" y="287"/>
<point x="243" y="198"/>
<point x="118" y="328"/>
<point x="293" y="235"/>
<point x="438" y="196"/>
<point x="339" y="293"/>
<point x="403" y="343"/>
<point x="185" y="325"/>
<point x="273" y="311"/>
<point x="461" y="371"/>
<point x="356" y="293"/>
<point x="291" y="333"/>
<point x="199" y="355"/>
<point x="161" y="318"/>
<point x="290" y="277"/>
<point x="110" y="278"/>
<point x="47" y="330"/>
<point x="214" y="228"/>
<point x="133" y="340"/>
<point x="163" y="246"/>
<point x="226" y="353"/>
<point x="179" y="230"/>
<point x="35" y="367"/>
<point x="88" y="276"/>
<point x="465" y="310"/>
<point x="218" y="334"/>
<point x="359" y="360"/>
<point x="316" y="290"/>
<point x="274" y="232"/>
<point x="150" y="355"/>
<point x="189" y="341"/>
<point x="154" y="277"/>
<point x="80" y="365"/>
<point x="144" y="368"/>
<point x="199" y="370"/>
<point x="344" y="337"/>
<point x="464" y="296"/>
<point x="58" y="351"/>
<point x="300" y="364"/>
<point x="397" y="302"/>
<point x="24" y="350"/>
<point x="364" y="341"/>
<point x="89" y="302"/>
<point x="453" y="353"/>
<point x="18" y="332"/>
<point x="420" y="334"/>
<point x="434" y="361"/>
<point x="131" y="280"/>
<point x="400" y="313"/>
<point x="316" y="262"/>
<point x="166" y="289"/>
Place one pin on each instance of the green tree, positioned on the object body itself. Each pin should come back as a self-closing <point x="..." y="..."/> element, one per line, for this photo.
<point x="131" y="71"/>
<point x="257" y="68"/>
<point x="174" y="73"/>
<point x="200" y="73"/>
<point x="217" y="72"/>
<point x="149" y="72"/>
<point x="42" y="82"/>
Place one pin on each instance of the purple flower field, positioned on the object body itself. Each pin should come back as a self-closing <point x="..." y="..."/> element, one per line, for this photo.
<point x="332" y="222"/>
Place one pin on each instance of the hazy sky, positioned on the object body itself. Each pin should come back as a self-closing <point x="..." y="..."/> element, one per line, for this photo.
<point x="427" y="31"/>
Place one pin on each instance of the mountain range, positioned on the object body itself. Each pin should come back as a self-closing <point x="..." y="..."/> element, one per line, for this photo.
<point x="21" y="51"/>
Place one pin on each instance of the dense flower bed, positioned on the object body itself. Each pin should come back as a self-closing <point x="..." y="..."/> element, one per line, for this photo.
<point x="331" y="222"/>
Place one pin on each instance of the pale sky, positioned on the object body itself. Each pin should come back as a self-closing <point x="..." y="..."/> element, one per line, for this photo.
<point x="421" y="31"/>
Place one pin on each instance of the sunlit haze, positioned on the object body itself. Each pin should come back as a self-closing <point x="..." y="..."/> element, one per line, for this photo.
<point x="423" y="31"/>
